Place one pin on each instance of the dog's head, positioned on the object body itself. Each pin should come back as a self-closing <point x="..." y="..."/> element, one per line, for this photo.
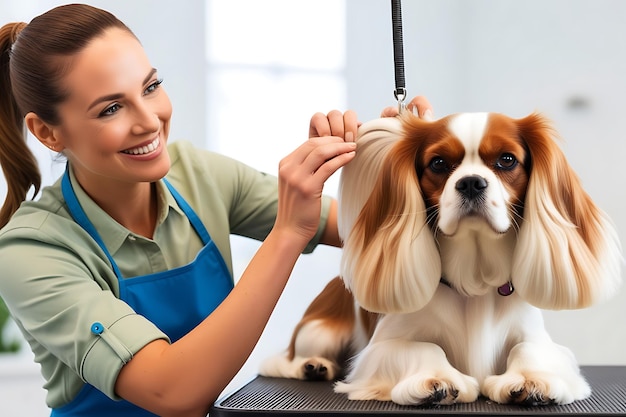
<point x="481" y="198"/>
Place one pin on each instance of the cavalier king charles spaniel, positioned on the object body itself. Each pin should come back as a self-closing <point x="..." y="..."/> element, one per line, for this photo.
<point x="456" y="233"/>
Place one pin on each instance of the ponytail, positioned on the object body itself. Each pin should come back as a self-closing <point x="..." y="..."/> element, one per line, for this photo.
<point x="18" y="163"/>
<point x="34" y="58"/>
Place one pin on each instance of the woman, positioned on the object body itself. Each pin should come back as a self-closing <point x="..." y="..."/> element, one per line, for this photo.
<point x="119" y="275"/>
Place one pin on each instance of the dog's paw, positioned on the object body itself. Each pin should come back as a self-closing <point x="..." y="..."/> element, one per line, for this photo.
<point x="535" y="388"/>
<point x="318" y="369"/>
<point x="419" y="389"/>
<point x="407" y="373"/>
<point x="309" y="369"/>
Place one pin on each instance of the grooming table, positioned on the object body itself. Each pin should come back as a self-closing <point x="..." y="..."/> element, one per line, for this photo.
<point x="286" y="397"/>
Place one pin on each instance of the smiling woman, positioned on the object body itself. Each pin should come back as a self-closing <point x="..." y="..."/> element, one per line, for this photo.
<point x="119" y="275"/>
<point x="115" y="141"/>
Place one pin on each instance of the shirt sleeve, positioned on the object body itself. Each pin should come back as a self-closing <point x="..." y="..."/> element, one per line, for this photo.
<point x="57" y="285"/>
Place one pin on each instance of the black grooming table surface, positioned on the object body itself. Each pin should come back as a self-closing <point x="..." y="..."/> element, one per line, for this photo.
<point x="286" y="397"/>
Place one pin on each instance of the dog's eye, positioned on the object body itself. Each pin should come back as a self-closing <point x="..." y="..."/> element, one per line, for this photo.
<point x="506" y="161"/>
<point x="438" y="165"/>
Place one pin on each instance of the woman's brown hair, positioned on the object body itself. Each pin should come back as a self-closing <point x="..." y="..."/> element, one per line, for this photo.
<point x="33" y="60"/>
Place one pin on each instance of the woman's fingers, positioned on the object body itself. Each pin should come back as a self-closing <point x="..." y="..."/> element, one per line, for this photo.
<point x="351" y="126"/>
<point x="335" y="123"/>
<point x="422" y="106"/>
<point x="327" y="153"/>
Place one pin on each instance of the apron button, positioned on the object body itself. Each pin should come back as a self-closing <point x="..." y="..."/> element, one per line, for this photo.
<point x="97" y="328"/>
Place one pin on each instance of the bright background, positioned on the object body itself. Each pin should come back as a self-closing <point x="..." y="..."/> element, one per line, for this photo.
<point x="245" y="77"/>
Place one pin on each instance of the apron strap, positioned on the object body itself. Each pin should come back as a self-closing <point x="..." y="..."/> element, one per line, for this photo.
<point x="79" y="216"/>
<point x="191" y="215"/>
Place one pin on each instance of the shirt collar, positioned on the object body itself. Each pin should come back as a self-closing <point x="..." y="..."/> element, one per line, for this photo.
<point x="112" y="233"/>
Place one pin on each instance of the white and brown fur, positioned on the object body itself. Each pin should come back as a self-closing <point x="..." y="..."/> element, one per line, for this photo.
<point x="437" y="218"/>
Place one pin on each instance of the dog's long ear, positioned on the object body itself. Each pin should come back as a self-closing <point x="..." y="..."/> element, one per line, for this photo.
<point x="568" y="254"/>
<point x="390" y="260"/>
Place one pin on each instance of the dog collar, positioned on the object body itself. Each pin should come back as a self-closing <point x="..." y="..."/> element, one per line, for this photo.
<point x="504" y="290"/>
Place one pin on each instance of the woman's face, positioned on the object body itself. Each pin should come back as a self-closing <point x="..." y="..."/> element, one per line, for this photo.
<point x="115" y="122"/>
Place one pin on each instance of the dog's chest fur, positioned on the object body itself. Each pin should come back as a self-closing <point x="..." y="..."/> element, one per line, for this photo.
<point x="476" y="332"/>
<point x="475" y="262"/>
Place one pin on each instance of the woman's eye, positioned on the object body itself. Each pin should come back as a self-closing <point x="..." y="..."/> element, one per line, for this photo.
<point x="112" y="109"/>
<point x="154" y="86"/>
<point x="506" y="161"/>
<point x="438" y="165"/>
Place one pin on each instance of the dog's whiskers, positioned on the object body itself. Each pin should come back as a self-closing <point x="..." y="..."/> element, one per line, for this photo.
<point x="431" y="218"/>
<point x="514" y="214"/>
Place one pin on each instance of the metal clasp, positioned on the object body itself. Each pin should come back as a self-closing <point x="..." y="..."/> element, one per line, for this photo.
<point x="400" y="95"/>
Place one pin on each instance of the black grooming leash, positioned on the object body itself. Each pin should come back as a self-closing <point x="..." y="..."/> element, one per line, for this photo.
<point x="398" y="53"/>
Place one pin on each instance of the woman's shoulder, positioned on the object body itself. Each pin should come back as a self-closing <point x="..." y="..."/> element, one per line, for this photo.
<point x="191" y="163"/>
<point x="201" y="175"/>
<point x="185" y="152"/>
<point x="45" y="215"/>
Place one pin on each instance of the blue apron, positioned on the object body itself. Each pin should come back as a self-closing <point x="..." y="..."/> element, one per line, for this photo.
<point x="176" y="301"/>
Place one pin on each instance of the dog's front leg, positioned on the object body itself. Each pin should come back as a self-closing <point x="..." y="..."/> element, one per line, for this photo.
<point x="538" y="373"/>
<point x="407" y="372"/>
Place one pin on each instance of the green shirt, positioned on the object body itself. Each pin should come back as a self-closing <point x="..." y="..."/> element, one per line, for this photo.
<point x="57" y="281"/>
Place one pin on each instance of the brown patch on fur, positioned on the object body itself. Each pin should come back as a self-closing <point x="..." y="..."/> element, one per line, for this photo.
<point x="564" y="185"/>
<point x="389" y="199"/>
<point x="552" y="173"/>
<point x="502" y="136"/>
<point x="334" y="305"/>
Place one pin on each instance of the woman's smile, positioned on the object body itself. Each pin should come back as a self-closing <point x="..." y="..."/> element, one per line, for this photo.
<point x="144" y="149"/>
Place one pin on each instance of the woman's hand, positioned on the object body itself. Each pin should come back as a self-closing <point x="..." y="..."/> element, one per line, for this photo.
<point x="347" y="124"/>
<point x="302" y="173"/>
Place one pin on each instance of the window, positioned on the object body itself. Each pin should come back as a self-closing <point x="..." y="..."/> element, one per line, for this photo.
<point x="271" y="65"/>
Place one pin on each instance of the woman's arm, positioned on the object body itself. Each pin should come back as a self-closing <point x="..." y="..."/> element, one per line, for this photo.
<point x="186" y="377"/>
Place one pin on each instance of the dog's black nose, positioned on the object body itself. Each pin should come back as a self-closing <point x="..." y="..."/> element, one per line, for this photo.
<point x="471" y="186"/>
